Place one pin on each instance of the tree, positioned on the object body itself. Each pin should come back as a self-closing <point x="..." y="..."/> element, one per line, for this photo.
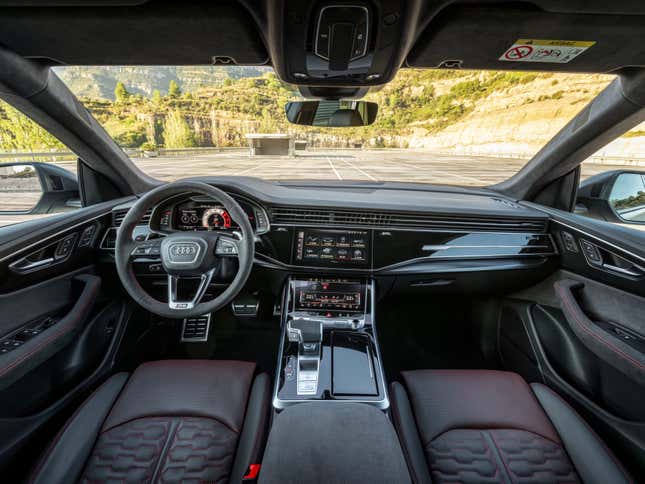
<point x="176" y="132"/>
<point x="18" y="132"/>
<point x="121" y="94"/>
<point x="156" y="96"/>
<point x="173" y="89"/>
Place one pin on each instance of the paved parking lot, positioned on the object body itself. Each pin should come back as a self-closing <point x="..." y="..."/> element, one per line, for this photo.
<point x="361" y="165"/>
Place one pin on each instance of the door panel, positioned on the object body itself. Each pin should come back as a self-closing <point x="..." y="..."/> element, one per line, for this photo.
<point x="58" y="326"/>
<point x="582" y="330"/>
<point x="35" y="341"/>
<point x="619" y="346"/>
<point x="579" y="366"/>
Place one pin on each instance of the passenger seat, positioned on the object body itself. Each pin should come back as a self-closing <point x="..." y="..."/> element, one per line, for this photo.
<point x="480" y="426"/>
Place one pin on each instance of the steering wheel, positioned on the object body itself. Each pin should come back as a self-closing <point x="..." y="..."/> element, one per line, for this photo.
<point x="185" y="255"/>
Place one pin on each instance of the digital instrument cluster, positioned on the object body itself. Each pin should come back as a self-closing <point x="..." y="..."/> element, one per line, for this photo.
<point x="203" y="216"/>
<point x="331" y="247"/>
<point x="207" y="215"/>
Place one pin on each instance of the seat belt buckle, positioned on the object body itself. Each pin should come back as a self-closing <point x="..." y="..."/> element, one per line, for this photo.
<point x="252" y="473"/>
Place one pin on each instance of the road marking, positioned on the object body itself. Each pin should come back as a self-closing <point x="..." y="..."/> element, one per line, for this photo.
<point x="434" y="170"/>
<point x="254" y="167"/>
<point x="359" y="169"/>
<point x="333" y="168"/>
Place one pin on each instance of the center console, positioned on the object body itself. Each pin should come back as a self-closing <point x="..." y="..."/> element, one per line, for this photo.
<point x="328" y="348"/>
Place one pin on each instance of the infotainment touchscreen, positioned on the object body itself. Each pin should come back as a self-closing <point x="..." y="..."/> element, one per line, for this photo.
<point x="332" y="247"/>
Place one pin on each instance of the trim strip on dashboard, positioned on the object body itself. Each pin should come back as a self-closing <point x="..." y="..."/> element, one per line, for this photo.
<point x="430" y="247"/>
<point x="272" y="263"/>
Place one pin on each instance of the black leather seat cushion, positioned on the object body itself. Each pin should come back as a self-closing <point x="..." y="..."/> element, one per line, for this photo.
<point x="172" y="421"/>
<point x="491" y="427"/>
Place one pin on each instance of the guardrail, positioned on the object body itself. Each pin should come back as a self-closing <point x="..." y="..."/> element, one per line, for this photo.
<point x="139" y="153"/>
<point x="32" y="155"/>
<point x="136" y="152"/>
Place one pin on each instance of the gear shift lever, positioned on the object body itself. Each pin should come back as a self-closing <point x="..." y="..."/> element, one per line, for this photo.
<point x="308" y="333"/>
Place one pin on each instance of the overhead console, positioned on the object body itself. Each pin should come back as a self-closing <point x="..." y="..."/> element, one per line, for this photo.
<point x="356" y="43"/>
<point x="341" y="38"/>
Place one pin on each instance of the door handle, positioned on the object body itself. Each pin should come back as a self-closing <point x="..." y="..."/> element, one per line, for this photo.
<point x="26" y="265"/>
<point x="633" y="270"/>
<point x="53" y="253"/>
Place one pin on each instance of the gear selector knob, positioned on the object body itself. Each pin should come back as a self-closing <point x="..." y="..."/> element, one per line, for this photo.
<point x="305" y="331"/>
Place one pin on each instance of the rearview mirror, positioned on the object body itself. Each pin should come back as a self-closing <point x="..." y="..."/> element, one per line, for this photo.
<point x="37" y="188"/>
<point x="331" y="113"/>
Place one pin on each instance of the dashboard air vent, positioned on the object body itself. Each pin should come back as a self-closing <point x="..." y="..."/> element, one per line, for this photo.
<point x="119" y="215"/>
<point x="365" y="218"/>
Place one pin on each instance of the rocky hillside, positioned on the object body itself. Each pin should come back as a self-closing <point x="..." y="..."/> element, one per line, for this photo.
<point x="100" y="82"/>
<point x="486" y="112"/>
<point x="458" y="111"/>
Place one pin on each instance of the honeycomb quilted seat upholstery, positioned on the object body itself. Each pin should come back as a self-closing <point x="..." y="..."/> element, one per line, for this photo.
<point x="181" y="449"/>
<point x="188" y="421"/>
<point x="484" y="456"/>
<point x="489" y="427"/>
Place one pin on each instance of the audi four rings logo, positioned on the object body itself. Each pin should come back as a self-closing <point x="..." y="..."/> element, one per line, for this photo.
<point x="184" y="252"/>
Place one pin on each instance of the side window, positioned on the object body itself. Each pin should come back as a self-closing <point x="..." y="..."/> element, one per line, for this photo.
<point x="612" y="186"/>
<point x="37" y="172"/>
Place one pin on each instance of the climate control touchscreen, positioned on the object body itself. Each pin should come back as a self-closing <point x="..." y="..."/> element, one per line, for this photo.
<point x="329" y="295"/>
<point x="332" y="247"/>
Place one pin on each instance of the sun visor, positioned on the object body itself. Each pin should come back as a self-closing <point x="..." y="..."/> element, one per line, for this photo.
<point x="155" y="33"/>
<point x="503" y="38"/>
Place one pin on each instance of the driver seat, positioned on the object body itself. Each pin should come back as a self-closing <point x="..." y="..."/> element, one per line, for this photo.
<point x="170" y="421"/>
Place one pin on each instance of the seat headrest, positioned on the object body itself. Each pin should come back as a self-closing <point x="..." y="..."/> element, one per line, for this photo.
<point x="345" y="117"/>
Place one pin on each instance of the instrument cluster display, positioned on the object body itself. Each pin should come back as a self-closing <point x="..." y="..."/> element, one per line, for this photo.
<point x="196" y="215"/>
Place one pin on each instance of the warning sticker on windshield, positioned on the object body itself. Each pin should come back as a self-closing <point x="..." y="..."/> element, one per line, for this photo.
<point x="538" y="50"/>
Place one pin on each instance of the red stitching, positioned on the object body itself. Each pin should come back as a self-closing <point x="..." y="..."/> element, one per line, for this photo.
<point x="572" y="313"/>
<point x="61" y="432"/>
<point x="37" y="348"/>
<point x="69" y="326"/>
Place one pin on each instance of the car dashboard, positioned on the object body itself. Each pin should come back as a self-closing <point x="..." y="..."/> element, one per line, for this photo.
<point x="472" y="237"/>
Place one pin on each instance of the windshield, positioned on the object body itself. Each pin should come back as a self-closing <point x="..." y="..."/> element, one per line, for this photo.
<point x="433" y="126"/>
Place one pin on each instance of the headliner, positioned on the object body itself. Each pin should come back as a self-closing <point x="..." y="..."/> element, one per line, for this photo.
<point x="163" y="32"/>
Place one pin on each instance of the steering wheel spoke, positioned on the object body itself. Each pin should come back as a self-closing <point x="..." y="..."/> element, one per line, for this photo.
<point x="173" y="290"/>
<point x="142" y="248"/>
<point x="228" y="245"/>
